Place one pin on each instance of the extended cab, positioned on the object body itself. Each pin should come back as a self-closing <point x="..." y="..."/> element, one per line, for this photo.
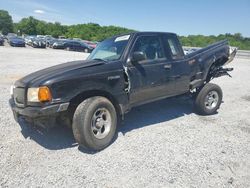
<point x="122" y="72"/>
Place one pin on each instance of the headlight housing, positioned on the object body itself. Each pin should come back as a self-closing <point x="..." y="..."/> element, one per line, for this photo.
<point x="12" y="90"/>
<point x="40" y="94"/>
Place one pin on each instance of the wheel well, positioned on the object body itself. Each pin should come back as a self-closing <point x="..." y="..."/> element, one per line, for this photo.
<point x="213" y="67"/>
<point x="74" y="102"/>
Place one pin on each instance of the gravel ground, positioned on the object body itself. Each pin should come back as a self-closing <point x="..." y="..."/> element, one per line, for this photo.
<point x="163" y="144"/>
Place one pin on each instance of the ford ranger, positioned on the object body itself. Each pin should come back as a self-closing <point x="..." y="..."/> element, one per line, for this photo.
<point x="122" y="72"/>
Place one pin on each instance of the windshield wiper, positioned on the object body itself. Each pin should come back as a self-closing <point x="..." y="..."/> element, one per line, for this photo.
<point x="99" y="59"/>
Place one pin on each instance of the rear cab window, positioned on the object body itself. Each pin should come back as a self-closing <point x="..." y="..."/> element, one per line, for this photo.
<point x="174" y="47"/>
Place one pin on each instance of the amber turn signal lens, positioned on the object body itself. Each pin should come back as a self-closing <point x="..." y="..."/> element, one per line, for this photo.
<point x="44" y="94"/>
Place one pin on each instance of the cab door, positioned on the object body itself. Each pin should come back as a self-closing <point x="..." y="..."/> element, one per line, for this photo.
<point x="150" y="78"/>
<point x="180" y="69"/>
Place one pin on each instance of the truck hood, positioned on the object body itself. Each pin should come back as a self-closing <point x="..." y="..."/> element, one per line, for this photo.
<point x="16" y="40"/>
<point x="50" y="72"/>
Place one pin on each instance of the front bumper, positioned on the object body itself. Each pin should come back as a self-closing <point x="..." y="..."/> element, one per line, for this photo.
<point x="17" y="45"/>
<point x="38" y="112"/>
<point x="39" y="45"/>
<point x="57" y="47"/>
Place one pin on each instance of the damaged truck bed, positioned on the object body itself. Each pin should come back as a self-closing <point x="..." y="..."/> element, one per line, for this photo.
<point x="124" y="71"/>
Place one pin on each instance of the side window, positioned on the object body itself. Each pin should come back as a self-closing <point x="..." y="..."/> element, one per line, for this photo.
<point x="76" y="43"/>
<point x="174" y="48"/>
<point x="150" y="46"/>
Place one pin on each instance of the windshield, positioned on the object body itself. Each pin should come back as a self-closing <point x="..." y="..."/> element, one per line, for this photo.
<point x="110" y="49"/>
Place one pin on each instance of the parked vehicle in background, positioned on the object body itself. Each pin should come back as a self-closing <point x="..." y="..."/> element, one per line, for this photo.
<point x="10" y="35"/>
<point x="38" y="43"/>
<point x="121" y="73"/>
<point x="72" y="45"/>
<point x="1" y="41"/>
<point x="58" y="44"/>
<point x="91" y="44"/>
<point x="16" y="41"/>
<point x="51" y="42"/>
<point x="62" y="37"/>
<point x="189" y="50"/>
<point x="40" y="36"/>
<point x="77" y="46"/>
<point x="77" y="39"/>
<point x="29" y="39"/>
<point x="49" y="39"/>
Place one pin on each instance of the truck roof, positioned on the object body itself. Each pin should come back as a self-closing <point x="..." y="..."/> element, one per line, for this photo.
<point x="152" y="32"/>
<point x="143" y="33"/>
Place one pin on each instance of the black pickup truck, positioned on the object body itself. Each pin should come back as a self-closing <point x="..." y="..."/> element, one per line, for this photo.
<point x="122" y="72"/>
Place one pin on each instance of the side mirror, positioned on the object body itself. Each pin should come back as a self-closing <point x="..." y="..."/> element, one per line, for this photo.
<point x="138" y="56"/>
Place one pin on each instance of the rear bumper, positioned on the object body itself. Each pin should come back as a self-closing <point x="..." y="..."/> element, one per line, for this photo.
<point x="57" y="47"/>
<point x="38" y="112"/>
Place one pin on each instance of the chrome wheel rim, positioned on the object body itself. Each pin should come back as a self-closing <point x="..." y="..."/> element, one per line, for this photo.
<point x="101" y="123"/>
<point x="211" y="100"/>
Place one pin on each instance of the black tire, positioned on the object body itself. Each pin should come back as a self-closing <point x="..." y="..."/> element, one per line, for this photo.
<point x="83" y="123"/>
<point x="203" y="104"/>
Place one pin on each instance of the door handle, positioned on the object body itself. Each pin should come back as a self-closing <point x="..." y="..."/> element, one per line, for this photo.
<point x="175" y="77"/>
<point x="169" y="66"/>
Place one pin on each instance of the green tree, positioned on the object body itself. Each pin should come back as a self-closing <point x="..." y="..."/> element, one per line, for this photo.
<point x="6" y="22"/>
<point x="56" y="29"/>
<point x="41" y="27"/>
<point x="28" y="26"/>
<point x="237" y="40"/>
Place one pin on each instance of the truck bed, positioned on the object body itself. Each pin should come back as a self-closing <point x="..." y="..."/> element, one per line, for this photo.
<point x="213" y="48"/>
<point x="203" y="60"/>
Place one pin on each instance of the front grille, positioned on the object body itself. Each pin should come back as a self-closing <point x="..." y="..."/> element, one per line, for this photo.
<point x="19" y="96"/>
<point x="18" y="44"/>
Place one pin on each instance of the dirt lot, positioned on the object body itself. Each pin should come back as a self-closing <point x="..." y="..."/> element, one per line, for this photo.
<point x="163" y="144"/>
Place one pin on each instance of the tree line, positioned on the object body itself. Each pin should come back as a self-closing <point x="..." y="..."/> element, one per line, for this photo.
<point x="95" y="32"/>
<point x="237" y="40"/>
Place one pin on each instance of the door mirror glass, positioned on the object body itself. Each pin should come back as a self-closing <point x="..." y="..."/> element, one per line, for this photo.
<point x="138" y="56"/>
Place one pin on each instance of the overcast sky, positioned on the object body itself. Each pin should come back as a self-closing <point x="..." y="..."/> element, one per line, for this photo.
<point x="184" y="17"/>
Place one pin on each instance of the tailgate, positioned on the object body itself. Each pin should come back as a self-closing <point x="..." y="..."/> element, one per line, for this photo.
<point x="232" y="54"/>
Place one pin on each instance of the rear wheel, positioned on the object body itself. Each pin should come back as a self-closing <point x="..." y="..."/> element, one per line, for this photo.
<point x="94" y="123"/>
<point x="208" y="99"/>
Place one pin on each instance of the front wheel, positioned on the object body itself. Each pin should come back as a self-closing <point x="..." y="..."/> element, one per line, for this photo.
<point x="94" y="123"/>
<point x="208" y="99"/>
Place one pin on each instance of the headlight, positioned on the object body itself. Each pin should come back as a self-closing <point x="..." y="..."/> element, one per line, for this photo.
<point x="41" y="94"/>
<point x="32" y="95"/>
